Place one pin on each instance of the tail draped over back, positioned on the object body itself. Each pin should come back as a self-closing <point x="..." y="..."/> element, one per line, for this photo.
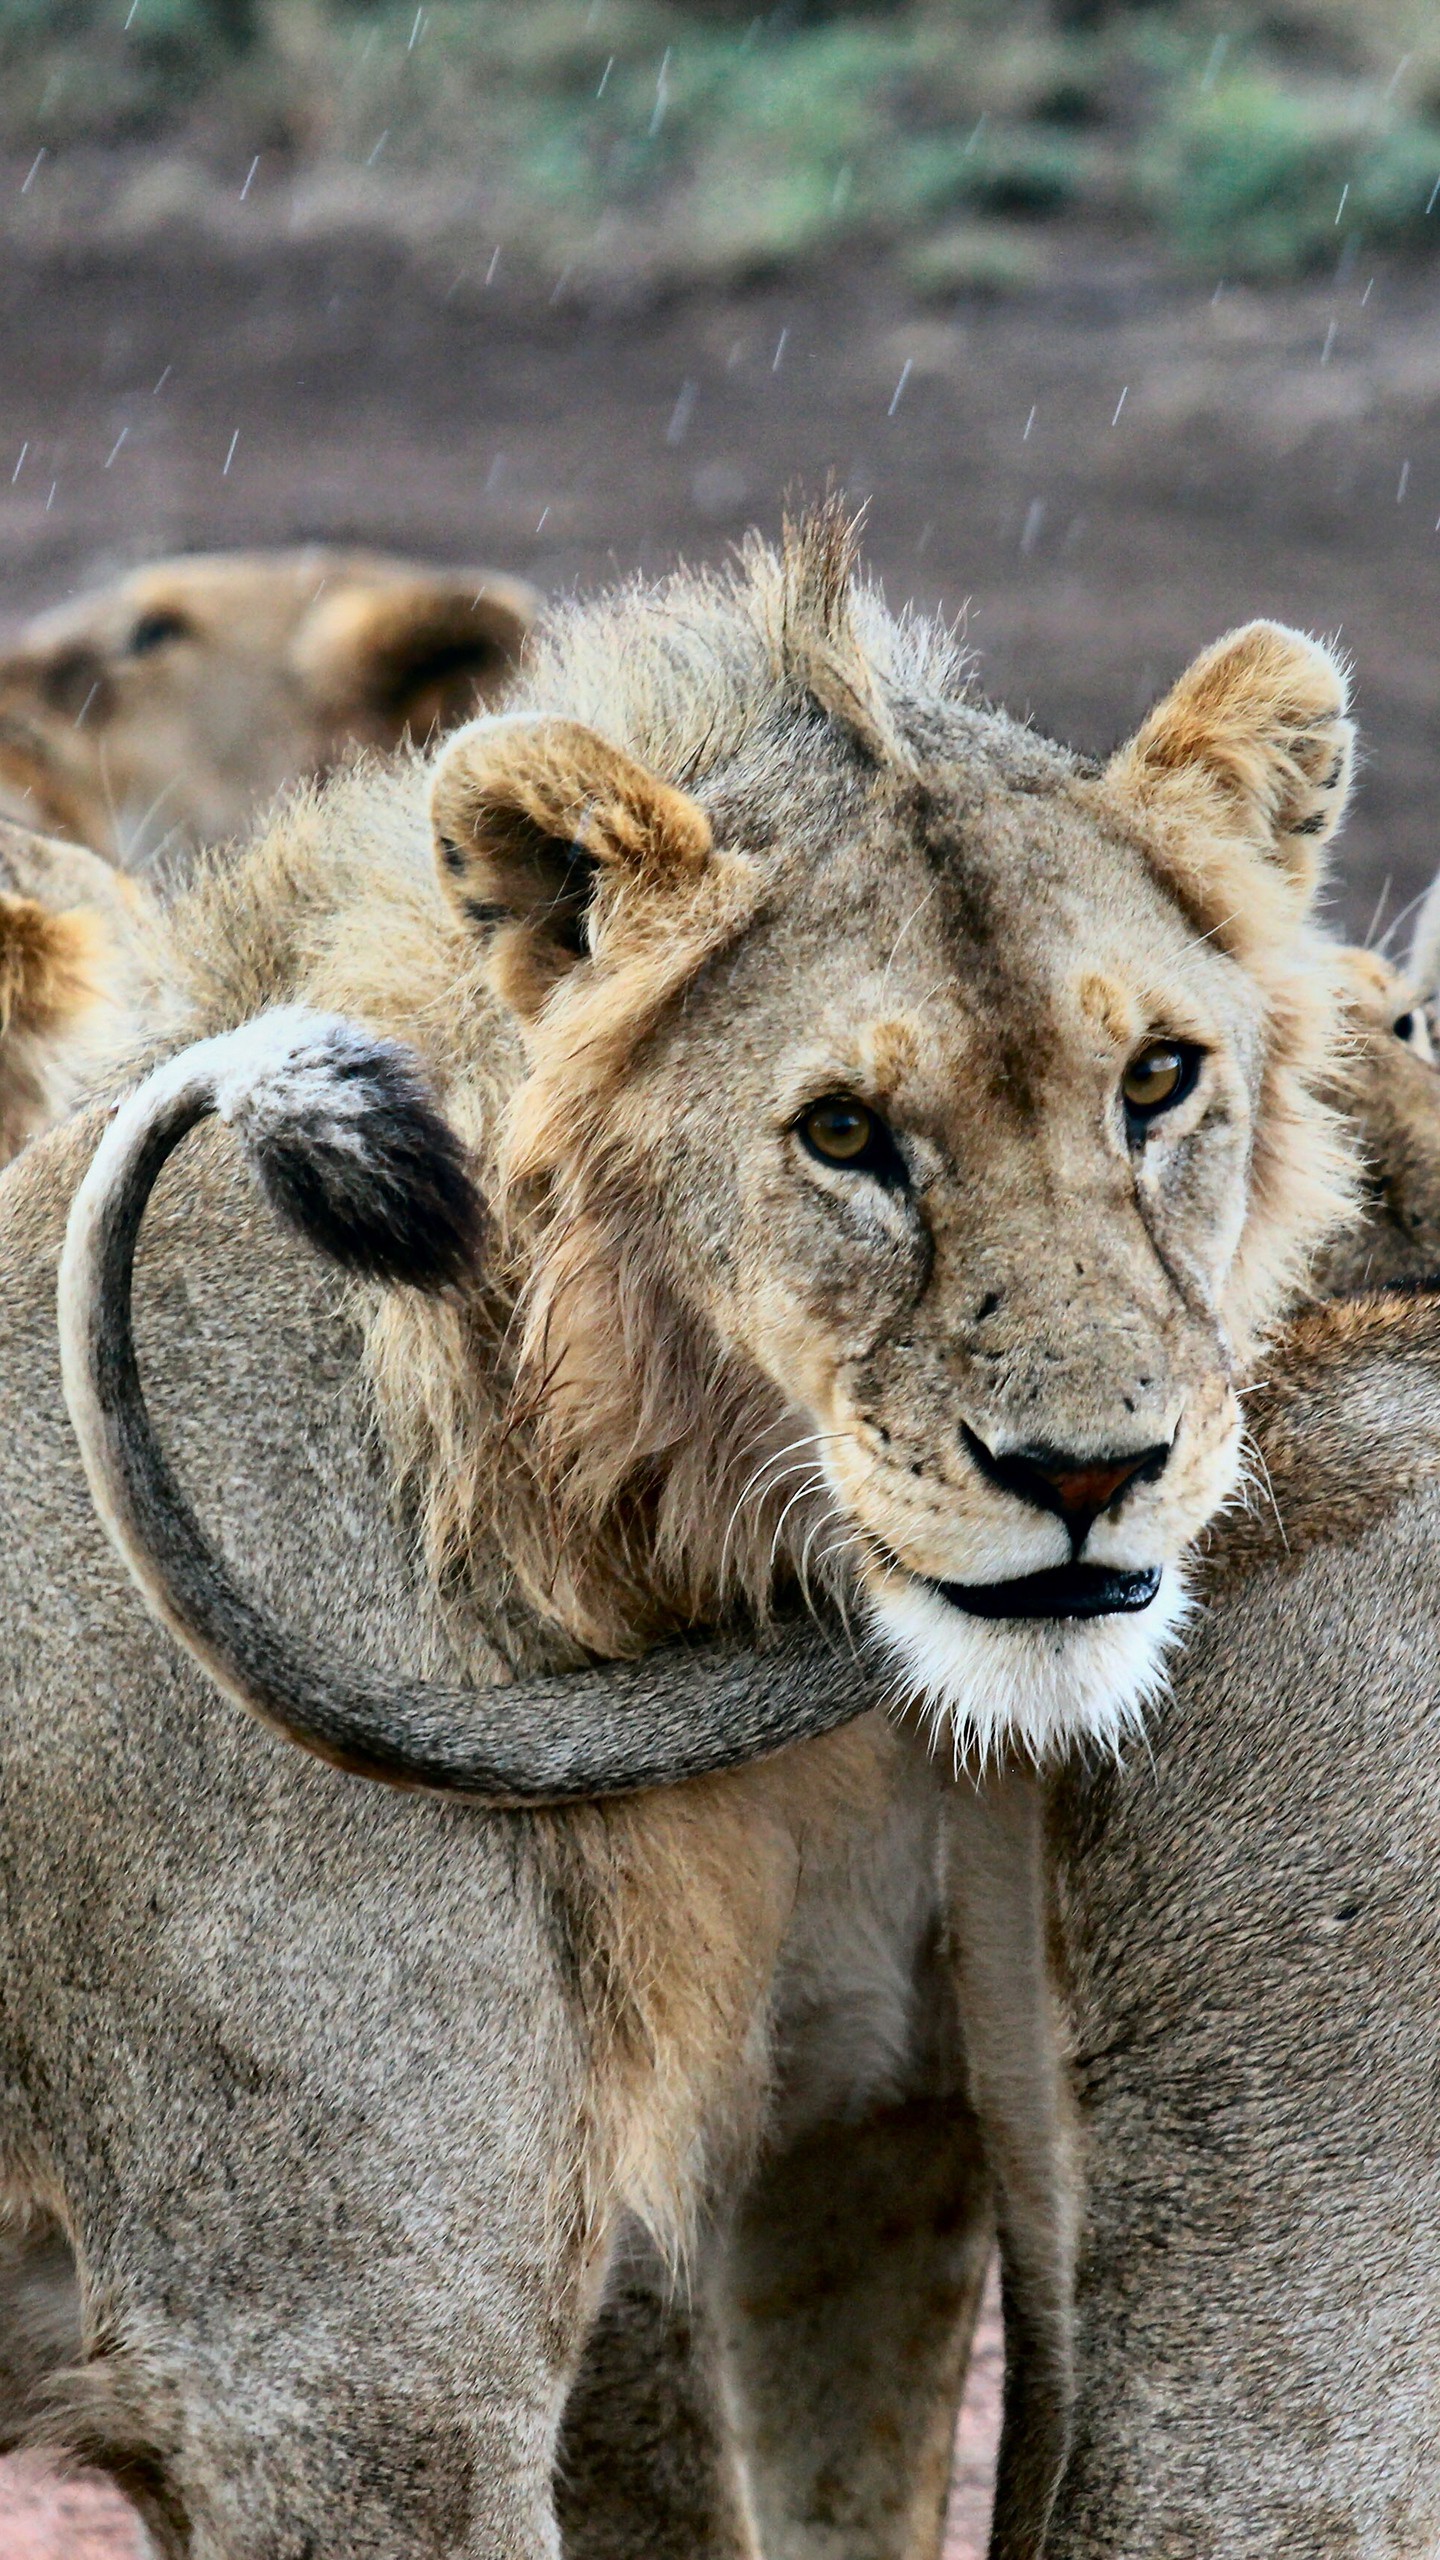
<point x="339" y="1131"/>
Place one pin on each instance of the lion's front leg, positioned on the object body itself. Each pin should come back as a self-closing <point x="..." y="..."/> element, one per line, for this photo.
<point x="855" y="2269"/>
<point x="648" y="2466"/>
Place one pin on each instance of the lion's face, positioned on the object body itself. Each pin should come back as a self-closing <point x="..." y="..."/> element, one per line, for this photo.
<point x="969" y="1115"/>
<point x="972" y="1204"/>
<point x="166" y="707"/>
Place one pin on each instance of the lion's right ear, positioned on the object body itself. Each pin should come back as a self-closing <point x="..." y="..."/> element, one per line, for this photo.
<point x="540" y="824"/>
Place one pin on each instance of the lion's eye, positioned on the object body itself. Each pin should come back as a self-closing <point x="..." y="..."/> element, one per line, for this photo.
<point x="156" y="631"/>
<point x="1404" y="1026"/>
<point x="841" y="1131"/>
<point x="1158" y="1077"/>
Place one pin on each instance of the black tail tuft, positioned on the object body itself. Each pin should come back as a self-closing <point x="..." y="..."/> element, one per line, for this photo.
<point x="349" y="1149"/>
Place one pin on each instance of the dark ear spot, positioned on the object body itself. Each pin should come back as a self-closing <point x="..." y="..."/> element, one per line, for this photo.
<point x="543" y="881"/>
<point x="531" y="816"/>
<point x="412" y="656"/>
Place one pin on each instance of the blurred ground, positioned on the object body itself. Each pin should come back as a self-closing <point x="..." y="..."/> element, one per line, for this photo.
<point x="1107" y="472"/>
<point x="1110" y="470"/>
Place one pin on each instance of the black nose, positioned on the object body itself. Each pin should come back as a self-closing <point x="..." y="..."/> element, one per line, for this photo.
<point x="1076" y="1490"/>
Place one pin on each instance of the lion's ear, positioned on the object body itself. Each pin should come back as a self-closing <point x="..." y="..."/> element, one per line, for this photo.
<point x="1249" y="757"/>
<point x="533" y="818"/>
<point x="399" y="655"/>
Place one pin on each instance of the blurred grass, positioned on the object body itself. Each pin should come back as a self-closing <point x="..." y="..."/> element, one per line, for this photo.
<point x="664" y="142"/>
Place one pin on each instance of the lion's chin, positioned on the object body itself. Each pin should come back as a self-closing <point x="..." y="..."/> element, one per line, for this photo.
<point x="1035" y="1683"/>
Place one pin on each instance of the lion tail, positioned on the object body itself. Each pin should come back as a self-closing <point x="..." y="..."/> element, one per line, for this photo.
<point x="349" y="1149"/>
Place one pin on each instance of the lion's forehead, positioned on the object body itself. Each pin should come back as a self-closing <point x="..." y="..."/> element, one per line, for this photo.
<point x="1011" y="935"/>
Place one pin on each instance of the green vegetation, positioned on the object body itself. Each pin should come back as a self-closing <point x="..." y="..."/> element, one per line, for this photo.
<point x="664" y="140"/>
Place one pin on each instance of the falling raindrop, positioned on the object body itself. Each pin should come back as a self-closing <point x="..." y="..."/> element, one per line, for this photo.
<point x="1329" y="341"/>
<point x="379" y="147"/>
<point x="34" y="171"/>
<point x="662" y="96"/>
<point x="20" y="465"/>
<point x="114" y="449"/>
<point x="1211" y="72"/>
<point x="1344" y="200"/>
<point x="680" y="415"/>
<point x="160" y="385"/>
<point x="779" y="350"/>
<point x="1119" y="405"/>
<point x="230" y="456"/>
<point x="1404" y="483"/>
<point x="1034" y="520"/>
<point x="1029" y="423"/>
<point x="906" y="370"/>
<point x="605" y="77"/>
<point x="250" y="177"/>
<point x="494" y="263"/>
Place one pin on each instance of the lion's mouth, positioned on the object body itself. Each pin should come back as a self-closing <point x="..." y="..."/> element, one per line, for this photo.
<point x="1062" y="1591"/>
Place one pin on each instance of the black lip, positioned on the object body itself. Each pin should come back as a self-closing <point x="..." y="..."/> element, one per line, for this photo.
<point x="1064" y="1591"/>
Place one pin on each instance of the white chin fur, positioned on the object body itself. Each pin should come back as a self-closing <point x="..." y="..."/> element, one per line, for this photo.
<point x="1039" y="1685"/>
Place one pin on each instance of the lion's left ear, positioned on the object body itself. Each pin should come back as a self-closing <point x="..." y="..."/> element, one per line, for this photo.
<point x="1249" y="758"/>
<point x="411" y="653"/>
<point x="532" y="815"/>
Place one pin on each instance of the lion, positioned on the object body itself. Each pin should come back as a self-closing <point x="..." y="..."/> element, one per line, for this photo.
<point x="1164" y="1911"/>
<point x="895" y="1138"/>
<point x="74" y="977"/>
<point x="1385" y="1082"/>
<point x="160" y="712"/>
<point x="1248" y="1936"/>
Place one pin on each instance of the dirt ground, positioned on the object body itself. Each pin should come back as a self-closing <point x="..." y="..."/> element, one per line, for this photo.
<point x="1108" y="471"/>
<point x="1104" y="474"/>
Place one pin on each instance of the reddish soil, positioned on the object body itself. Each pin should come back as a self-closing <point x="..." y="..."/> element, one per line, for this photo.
<point x="1110" y="471"/>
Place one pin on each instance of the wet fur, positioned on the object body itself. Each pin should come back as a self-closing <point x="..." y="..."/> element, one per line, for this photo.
<point x="603" y="1987"/>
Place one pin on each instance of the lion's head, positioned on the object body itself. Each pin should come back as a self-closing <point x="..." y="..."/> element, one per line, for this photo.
<point x="163" y="708"/>
<point x="1386" y="1083"/>
<point x="916" y="1127"/>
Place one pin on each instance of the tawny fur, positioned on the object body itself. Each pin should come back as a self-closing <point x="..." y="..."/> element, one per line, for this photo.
<point x="580" y="1414"/>
<point x="73" y="977"/>
<point x="163" y="710"/>
<point x="873" y="881"/>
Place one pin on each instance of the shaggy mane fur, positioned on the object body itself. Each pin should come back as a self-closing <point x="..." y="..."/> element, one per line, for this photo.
<point x="565" y="1429"/>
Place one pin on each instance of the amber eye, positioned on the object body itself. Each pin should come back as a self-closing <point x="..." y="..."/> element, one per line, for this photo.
<point x="1158" y="1077"/>
<point x="841" y="1131"/>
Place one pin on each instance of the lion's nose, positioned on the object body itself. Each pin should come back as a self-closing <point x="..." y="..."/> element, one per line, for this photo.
<point x="1076" y="1489"/>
